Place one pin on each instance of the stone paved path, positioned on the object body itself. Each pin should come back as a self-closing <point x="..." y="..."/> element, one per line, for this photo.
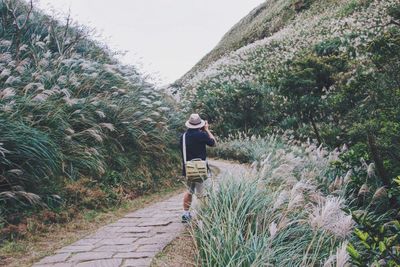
<point x="131" y="241"/>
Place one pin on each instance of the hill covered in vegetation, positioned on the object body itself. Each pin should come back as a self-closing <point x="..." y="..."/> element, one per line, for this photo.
<point x="78" y="130"/>
<point x="266" y="19"/>
<point x="319" y="74"/>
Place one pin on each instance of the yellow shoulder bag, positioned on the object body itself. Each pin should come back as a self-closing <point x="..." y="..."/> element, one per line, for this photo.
<point x="196" y="169"/>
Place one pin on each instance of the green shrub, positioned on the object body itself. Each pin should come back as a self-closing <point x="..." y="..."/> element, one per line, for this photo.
<point x="329" y="47"/>
<point x="394" y="12"/>
<point x="377" y="241"/>
<point x="353" y="6"/>
<point x="300" y="5"/>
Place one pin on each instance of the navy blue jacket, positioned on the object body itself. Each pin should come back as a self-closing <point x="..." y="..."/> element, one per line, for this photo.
<point x="196" y="142"/>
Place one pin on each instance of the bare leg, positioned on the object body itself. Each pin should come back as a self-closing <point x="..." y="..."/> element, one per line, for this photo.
<point x="187" y="201"/>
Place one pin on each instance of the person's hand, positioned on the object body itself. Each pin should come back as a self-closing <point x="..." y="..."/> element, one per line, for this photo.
<point x="206" y="126"/>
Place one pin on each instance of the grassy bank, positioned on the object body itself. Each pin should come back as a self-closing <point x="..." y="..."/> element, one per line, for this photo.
<point x="78" y="130"/>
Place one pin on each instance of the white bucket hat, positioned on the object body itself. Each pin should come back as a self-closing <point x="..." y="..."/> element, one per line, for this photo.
<point x="195" y="122"/>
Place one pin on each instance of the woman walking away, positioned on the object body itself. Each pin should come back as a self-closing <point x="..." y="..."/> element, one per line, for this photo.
<point x="193" y="146"/>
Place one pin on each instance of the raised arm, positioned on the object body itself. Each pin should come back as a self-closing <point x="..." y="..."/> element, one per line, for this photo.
<point x="210" y="135"/>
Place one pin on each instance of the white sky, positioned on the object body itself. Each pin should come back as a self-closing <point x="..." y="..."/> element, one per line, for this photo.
<point x="165" y="37"/>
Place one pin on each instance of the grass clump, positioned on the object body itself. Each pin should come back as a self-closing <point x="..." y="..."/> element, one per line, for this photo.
<point x="229" y="225"/>
<point x="244" y="148"/>
<point x="298" y="205"/>
<point x="279" y="213"/>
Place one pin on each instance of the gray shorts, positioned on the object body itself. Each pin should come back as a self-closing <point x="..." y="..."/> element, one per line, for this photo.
<point x="196" y="188"/>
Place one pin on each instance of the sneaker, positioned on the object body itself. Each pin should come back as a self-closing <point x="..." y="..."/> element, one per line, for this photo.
<point x="186" y="218"/>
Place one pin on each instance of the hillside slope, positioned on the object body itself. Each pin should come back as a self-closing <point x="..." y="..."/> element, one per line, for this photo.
<point x="263" y="21"/>
<point x="307" y="21"/>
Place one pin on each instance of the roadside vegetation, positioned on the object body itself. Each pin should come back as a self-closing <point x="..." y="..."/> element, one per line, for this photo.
<point x="322" y="90"/>
<point x="79" y="132"/>
<point x="298" y="206"/>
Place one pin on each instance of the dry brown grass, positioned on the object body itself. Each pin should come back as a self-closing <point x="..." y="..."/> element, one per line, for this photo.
<point x="25" y="252"/>
<point x="179" y="253"/>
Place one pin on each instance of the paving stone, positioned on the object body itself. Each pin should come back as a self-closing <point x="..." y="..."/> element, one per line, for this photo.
<point x="101" y="263"/>
<point x="54" y="265"/>
<point x="170" y="216"/>
<point x="150" y="248"/>
<point x="86" y="242"/>
<point x="104" y="234"/>
<point x="134" y="229"/>
<point x="148" y="241"/>
<point x="138" y="216"/>
<point x="137" y="262"/>
<point x="117" y="241"/>
<point x="155" y="223"/>
<point x="109" y="228"/>
<point x="61" y="257"/>
<point x="87" y="256"/>
<point x="139" y="235"/>
<point x="125" y="224"/>
<point x="135" y="255"/>
<point x="128" y="220"/>
<point x="171" y="228"/>
<point x="73" y="248"/>
<point x="166" y="237"/>
<point x="117" y="248"/>
<point x="147" y="211"/>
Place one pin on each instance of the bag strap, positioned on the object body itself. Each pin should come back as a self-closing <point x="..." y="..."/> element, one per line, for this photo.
<point x="184" y="148"/>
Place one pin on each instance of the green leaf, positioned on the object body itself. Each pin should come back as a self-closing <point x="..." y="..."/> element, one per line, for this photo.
<point x="382" y="247"/>
<point x="390" y="240"/>
<point x="353" y="252"/>
<point x="360" y="234"/>
<point x="397" y="180"/>
<point x="365" y="244"/>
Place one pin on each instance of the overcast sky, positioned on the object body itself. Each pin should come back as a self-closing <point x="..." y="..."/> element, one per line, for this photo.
<point x="166" y="36"/>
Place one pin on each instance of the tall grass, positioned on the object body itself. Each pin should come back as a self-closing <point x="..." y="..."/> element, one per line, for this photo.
<point x="245" y="148"/>
<point x="279" y="214"/>
<point x="70" y="111"/>
<point x="230" y="223"/>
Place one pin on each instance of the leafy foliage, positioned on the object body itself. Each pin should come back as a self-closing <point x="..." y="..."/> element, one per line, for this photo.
<point x="378" y="242"/>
